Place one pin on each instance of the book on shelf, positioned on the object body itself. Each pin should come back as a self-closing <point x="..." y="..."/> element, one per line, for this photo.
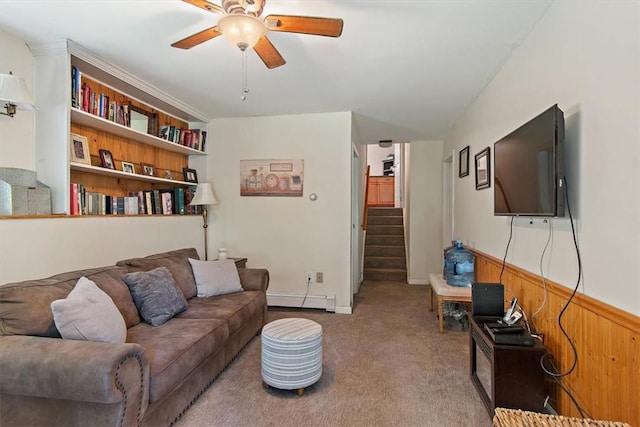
<point x="167" y="202"/>
<point x="178" y="206"/>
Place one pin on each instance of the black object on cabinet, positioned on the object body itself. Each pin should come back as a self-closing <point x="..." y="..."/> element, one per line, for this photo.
<point x="506" y="376"/>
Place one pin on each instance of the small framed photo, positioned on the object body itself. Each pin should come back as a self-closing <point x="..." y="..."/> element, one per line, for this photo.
<point x="190" y="175"/>
<point x="79" y="149"/>
<point x="463" y="162"/>
<point x="483" y="169"/>
<point x="128" y="167"/>
<point x="168" y="174"/>
<point x="106" y="159"/>
<point x="148" y="169"/>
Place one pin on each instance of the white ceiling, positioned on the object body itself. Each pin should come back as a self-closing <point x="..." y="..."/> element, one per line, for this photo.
<point x="407" y="68"/>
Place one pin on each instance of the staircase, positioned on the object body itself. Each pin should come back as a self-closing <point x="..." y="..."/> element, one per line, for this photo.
<point x="384" y="253"/>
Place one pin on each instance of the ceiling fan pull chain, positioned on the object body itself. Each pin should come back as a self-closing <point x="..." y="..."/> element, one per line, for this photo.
<point x="245" y="89"/>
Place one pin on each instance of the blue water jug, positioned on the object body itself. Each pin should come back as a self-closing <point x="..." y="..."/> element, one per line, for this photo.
<point x="458" y="265"/>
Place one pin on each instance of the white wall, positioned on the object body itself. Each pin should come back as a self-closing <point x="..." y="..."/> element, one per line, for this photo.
<point x="375" y="155"/>
<point x="18" y="131"/>
<point x="425" y="210"/>
<point x="38" y="248"/>
<point x="287" y="235"/>
<point x="584" y="56"/>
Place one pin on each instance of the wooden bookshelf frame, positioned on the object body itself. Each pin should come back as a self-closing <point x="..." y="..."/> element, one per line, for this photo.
<point x="58" y="118"/>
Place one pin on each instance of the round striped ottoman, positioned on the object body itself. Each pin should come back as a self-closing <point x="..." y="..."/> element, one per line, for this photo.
<point x="291" y="354"/>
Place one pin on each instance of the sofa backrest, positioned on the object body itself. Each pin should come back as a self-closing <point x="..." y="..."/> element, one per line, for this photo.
<point x="25" y="307"/>
<point x="177" y="262"/>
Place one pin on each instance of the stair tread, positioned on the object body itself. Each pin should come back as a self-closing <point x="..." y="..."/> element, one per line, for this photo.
<point x="385" y="269"/>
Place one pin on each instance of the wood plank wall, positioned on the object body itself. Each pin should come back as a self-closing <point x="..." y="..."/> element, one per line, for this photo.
<point x="606" y="381"/>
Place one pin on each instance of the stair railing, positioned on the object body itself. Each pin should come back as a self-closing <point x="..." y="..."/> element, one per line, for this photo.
<point x="366" y="199"/>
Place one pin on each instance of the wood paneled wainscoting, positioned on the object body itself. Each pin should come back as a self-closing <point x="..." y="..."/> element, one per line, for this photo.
<point x="606" y="380"/>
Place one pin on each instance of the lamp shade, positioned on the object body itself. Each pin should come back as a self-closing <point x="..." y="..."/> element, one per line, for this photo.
<point x="13" y="90"/>
<point x="204" y="195"/>
<point x="242" y="30"/>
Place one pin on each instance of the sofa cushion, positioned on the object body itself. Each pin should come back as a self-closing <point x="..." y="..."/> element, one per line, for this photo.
<point x="156" y="295"/>
<point x="177" y="263"/>
<point x="176" y="348"/>
<point x="215" y="277"/>
<point x="25" y="307"/>
<point x="236" y="309"/>
<point x="89" y="314"/>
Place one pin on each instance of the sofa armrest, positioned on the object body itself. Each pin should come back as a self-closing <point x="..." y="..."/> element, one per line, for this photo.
<point x="83" y="371"/>
<point x="254" y="279"/>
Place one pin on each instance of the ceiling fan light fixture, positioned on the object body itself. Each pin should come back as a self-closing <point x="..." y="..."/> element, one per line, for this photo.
<point x="242" y="30"/>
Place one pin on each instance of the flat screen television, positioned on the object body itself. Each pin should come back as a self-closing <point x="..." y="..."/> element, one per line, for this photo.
<point x="528" y="170"/>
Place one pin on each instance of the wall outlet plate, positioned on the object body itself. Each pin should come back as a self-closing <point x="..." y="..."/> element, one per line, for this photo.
<point x="319" y="277"/>
<point x="310" y="277"/>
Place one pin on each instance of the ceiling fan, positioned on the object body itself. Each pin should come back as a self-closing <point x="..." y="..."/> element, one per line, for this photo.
<point x="242" y="25"/>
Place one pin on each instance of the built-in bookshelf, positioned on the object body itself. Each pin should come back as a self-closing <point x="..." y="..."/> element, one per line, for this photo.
<point x="142" y="129"/>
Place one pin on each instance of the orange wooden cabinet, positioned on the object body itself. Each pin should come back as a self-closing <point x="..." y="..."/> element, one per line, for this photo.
<point x="381" y="191"/>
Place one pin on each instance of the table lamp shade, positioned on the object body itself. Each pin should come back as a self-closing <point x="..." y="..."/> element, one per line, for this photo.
<point x="204" y="195"/>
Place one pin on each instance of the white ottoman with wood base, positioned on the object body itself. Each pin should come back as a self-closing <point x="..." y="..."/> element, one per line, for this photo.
<point x="291" y="354"/>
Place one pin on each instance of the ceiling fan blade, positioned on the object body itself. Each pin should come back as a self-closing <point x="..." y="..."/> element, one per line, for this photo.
<point x="197" y="38"/>
<point x="268" y="53"/>
<point x="305" y="25"/>
<point x="206" y="5"/>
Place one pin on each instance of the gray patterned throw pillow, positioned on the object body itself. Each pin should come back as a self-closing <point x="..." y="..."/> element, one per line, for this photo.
<point x="156" y="295"/>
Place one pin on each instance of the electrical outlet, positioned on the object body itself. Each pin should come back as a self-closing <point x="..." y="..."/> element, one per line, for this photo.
<point x="310" y="277"/>
<point x="319" y="277"/>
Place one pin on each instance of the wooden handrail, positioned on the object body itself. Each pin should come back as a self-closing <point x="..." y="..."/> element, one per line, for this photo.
<point x="366" y="198"/>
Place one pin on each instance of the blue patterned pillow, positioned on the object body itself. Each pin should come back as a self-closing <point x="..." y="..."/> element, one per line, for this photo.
<point x="156" y="295"/>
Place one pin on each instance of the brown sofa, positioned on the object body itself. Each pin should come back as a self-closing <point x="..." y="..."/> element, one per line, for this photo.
<point x="149" y="380"/>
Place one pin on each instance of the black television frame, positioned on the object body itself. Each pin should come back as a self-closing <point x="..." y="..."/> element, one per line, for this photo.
<point x="558" y="165"/>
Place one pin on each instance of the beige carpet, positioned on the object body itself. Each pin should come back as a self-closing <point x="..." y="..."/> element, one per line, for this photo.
<point x="384" y="365"/>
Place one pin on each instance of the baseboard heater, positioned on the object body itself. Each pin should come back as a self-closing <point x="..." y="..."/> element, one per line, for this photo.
<point x="327" y="302"/>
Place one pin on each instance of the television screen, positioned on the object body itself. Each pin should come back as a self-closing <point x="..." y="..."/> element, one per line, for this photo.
<point x="528" y="168"/>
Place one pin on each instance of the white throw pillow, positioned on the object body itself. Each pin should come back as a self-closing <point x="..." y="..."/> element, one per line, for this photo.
<point x="215" y="277"/>
<point x="89" y="314"/>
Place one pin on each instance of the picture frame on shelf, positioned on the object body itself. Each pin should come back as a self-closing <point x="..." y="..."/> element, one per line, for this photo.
<point x="168" y="174"/>
<point x="148" y="169"/>
<point x="463" y="162"/>
<point x="483" y="169"/>
<point x="128" y="167"/>
<point x="143" y="120"/>
<point x="190" y="175"/>
<point x="79" y="149"/>
<point x="106" y="159"/>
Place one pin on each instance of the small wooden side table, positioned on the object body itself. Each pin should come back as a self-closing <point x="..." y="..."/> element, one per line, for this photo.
<point x="445" y="292"/>
<point x="240" y="262"/>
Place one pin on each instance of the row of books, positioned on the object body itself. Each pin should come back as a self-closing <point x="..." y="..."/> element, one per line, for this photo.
<point x="192" y="138"/>
<point x="172" y="201"/>
<point x="85" y="99"/>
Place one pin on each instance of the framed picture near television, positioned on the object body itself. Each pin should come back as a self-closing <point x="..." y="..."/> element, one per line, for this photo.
<point x="463" y="162"/>
<point x="483" y="169"/>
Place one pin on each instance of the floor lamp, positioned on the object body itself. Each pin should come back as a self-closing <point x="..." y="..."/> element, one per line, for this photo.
<point x="204" y="197"/>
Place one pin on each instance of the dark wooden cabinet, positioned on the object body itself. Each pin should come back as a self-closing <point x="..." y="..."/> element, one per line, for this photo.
<point x="506" y="376"/>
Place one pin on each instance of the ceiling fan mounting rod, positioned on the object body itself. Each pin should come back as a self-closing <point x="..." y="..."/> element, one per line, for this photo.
<point x="247" y="7"/>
